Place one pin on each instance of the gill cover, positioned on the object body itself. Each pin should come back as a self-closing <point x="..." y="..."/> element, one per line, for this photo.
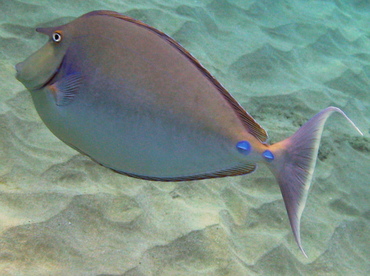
<point x="40" y="67"/>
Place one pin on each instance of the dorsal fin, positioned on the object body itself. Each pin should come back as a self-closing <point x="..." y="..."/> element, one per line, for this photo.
<point x="249" y="123"/>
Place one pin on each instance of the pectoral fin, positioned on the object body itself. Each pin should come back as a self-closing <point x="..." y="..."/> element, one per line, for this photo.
<point x="65" y="89"/>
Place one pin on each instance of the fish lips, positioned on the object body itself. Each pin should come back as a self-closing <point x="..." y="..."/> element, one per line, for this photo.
<point x="18" y="68"/>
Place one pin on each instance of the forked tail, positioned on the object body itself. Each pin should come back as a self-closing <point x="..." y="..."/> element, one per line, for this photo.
<point x="294" y="163"/>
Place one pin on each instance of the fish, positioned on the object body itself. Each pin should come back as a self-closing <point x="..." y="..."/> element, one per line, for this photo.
<point x="134" y="100"/>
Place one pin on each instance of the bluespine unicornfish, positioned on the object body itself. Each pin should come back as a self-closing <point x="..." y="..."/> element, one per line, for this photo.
<point x="135" y="101"/>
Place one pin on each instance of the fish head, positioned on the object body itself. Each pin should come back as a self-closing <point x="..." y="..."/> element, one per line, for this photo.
<point x="39" y="68"/>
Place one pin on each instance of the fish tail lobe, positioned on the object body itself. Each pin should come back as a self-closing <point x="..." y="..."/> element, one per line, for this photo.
<point x="294" y="163"/>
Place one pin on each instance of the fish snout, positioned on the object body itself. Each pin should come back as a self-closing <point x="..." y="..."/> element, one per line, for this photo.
<point x="18" y="68"/>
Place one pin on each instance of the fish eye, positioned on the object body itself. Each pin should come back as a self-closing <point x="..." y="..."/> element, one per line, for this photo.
<point x="57" y="37"/>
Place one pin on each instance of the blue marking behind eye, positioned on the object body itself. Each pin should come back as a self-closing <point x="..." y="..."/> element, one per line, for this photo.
<point x="269" y="156"/>
<point x="244" y="147"/>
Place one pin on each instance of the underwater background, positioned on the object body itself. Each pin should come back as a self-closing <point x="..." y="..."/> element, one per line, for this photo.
<point x="63" y="214"/>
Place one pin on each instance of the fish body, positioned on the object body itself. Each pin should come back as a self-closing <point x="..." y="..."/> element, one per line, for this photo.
<point x="135" y="101"/>
<point x="142" y="107"/>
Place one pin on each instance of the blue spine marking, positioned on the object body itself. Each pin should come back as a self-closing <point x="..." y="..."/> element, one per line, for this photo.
<point x="244" y="147"/>
<point x="268" y="155"/>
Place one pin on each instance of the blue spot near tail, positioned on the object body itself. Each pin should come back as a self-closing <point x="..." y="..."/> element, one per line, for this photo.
<point x="244" y="147"/>
<point x="268" y="155"/>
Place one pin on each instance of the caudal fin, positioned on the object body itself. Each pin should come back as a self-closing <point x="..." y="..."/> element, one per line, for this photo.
<point x="294" y="163"/>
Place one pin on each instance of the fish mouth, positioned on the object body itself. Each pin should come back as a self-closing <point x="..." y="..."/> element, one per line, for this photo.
<point x="18" y="69"/>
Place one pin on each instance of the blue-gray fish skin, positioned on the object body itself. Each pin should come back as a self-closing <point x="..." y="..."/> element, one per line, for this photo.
<point x="135" y="101"/>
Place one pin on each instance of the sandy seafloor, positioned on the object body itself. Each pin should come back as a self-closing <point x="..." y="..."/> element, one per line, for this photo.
<point x="62" y="214"/>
